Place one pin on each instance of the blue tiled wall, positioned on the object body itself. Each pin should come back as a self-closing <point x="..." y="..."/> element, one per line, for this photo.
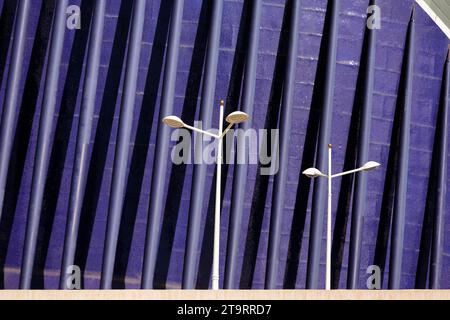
<point x="430" y="48"/>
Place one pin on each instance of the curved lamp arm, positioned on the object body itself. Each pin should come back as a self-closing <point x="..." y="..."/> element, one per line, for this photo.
<point x="201" y="131"/>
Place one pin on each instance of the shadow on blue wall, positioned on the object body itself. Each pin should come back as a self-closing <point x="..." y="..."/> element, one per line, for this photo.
<point x="24" y="126"/>
<point x="141" y="147"/>
<point x="102" y="135"/>
<point x="387" y="205"/>
<point x="61" y="143"/>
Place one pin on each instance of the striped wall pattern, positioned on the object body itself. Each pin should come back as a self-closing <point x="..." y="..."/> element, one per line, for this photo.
<point x="430" y="51"/>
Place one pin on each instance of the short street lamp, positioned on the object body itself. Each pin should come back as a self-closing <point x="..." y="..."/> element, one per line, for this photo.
<point x="315" y="173"/>
<point x="232" y="119"/>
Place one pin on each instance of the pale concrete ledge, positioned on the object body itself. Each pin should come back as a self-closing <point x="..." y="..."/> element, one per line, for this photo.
<point x="224" y="295"/>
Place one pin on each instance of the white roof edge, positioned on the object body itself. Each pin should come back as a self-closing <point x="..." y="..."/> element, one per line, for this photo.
<point x="435" y="14"/>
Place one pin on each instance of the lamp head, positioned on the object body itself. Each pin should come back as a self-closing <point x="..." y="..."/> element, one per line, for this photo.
<point x="370" y="165"/>
<point x="313" y="173"/>
<point x="173" y="122"/>
<point x="237" y="117"/>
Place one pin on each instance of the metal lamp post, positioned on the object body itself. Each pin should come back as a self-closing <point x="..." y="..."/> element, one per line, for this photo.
<point x="232" y="119"/>
<point x="315" y="173"/>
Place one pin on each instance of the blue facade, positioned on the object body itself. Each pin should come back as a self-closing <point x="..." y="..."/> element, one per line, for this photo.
<point x="430" y="50"/>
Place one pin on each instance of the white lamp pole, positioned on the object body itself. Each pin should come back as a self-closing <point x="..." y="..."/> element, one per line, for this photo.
<point x="330" y="198"/>
<point x="315" y="173"/>
<point x="232" y="119"/>
<point x="216" y="251"/>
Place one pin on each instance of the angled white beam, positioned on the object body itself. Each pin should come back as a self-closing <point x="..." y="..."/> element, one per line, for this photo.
<point x="439" y="11"/>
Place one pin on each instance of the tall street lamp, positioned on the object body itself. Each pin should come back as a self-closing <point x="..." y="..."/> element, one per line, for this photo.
<point x="315" y="173"/>
<point x="232" y="119"/>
